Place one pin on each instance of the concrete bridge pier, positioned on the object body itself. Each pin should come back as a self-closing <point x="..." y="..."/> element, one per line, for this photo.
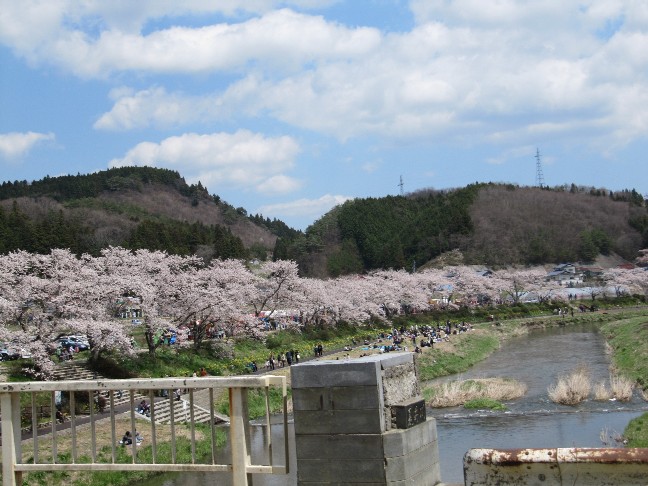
<point x="363" y="422"/>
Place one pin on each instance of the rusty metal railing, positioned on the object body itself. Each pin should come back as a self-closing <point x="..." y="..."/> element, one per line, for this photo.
<point x="90" y="449"/>
<point x="573" y="466"/>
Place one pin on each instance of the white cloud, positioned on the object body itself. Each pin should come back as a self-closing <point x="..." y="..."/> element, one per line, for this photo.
<point x="507" y="72"/>
<point x="372" y="166"/>
<point x="279" y="184"/>
<point x="304" y="207"/>
<point x="281" y="38"/>
<point x="155" y="107"/>
<point x="14" y="145"/>
<point x="242" y="159"/>
<point x="512" y="153"/>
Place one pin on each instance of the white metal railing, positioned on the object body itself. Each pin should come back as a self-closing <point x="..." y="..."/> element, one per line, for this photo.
<point x="13" y="464"/>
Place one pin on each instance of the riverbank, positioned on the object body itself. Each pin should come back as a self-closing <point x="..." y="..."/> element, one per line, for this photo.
<point x="628" y="343"/>
<point x="465" y="350"/>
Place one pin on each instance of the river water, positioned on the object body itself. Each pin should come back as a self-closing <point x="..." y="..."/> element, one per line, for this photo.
<point x="533" y="421"/>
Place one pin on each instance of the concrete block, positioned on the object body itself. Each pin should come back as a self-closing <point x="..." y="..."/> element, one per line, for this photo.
<point x="400" y="383"/>
<point x="428" y="477"/>
<point x="404" y="467"/>
<point x="337" y="398"/>
<point x="321" y="374"/>
<point x="398" y="442"/>
<point x="342" y="483"/>
<point x="341" y="472"/>
<point x="361" y="371"/>
<point x="394" y="359"/>
<point x="356" y="446"/>
<point x="310" y="422"/>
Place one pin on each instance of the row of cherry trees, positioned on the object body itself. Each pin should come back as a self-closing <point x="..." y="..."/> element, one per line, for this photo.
<point x="43" y="296"/>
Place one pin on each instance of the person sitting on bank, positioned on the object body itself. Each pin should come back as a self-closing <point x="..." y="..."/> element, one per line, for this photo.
<point x="127" y="439"/>
<point x="144" y="408"/>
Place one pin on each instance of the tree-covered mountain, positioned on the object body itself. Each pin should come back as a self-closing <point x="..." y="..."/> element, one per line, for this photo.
<point x="492" y="224"/>
<point x="134" y="207"/>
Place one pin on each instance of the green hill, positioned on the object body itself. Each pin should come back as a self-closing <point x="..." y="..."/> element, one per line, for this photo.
<point x="486" y="224"/>
<point x="492" y="224"/>
<point x="134" y="207"/>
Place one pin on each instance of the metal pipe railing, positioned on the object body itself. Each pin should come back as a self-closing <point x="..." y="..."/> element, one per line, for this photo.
<point x="240" y="465"/>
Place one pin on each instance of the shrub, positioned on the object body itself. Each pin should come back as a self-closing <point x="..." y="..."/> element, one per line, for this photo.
<point x="453" y="393"/>
<point x="601" y="392"/>
<point x="572" y="388"/>
<point x="621" y="388"/>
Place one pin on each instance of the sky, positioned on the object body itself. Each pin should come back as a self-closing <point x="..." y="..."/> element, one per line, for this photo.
<point x="287" y="108"/>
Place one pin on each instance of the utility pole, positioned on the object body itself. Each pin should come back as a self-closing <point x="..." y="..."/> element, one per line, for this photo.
<point x="401" y="185"/>
<point x="539" y="176"/>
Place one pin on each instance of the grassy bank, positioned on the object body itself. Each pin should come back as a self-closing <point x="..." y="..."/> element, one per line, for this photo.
<point x="232" y="357"/>
<point x="637" y="432"/>
<point x="628" y="341"/>
<point x="104" y="453"/>
<point x="465" y="350"/>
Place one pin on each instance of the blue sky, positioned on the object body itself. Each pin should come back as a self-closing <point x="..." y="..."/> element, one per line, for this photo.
<point x="287" y="108"/>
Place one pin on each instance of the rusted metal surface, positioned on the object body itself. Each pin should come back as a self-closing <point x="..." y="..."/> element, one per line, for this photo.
<point x="560" y="466"/>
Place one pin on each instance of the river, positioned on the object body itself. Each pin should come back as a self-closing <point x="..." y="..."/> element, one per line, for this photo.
<point x="533" y="421"/>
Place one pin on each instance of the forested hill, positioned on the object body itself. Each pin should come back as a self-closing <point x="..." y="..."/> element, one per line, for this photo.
<point x="491" y="224"/>
<point x="134" y="207"/>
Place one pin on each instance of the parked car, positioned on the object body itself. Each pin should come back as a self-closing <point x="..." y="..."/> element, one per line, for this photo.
<point x="136" y="322"/>
<point x="74" y="342"/>
<point x="8" y="353"/>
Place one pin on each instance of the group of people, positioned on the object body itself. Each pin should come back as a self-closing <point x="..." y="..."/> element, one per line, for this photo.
<point x="65" y="353"/>
<point x="128" y="438"/>
<point x="201" y="372"/>
<point x="419" y="336"/>
<point x="282" y="359"/>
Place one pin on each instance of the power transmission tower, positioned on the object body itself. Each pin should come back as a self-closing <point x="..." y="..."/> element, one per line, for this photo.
<point x="401" y="185"/>
<point x="539" y="176"/>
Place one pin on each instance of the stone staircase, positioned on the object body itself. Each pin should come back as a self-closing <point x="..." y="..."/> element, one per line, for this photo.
<point x="78" y="371"/>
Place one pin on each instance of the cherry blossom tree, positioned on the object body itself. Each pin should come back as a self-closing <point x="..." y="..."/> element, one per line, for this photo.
<point x="277" y="285"/>
<point x="633" y="280"/>
<point x="45" y="296"/>
<point x="517" y="283"/>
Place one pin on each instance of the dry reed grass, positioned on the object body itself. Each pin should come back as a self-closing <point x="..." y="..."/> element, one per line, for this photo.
<point x="454" y="393"/>
<point x="622" y="388"/>
<point x="602" y="392"/>
<point x="571" y="388"/>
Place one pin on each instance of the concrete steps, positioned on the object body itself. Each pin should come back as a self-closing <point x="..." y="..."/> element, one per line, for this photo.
<point x="78" y="371"/>
<point x="181" y="412"/>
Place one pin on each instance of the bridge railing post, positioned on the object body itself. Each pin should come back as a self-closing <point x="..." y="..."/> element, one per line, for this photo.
<point x="10" y="409"/>
<point x="239" y="435"/>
